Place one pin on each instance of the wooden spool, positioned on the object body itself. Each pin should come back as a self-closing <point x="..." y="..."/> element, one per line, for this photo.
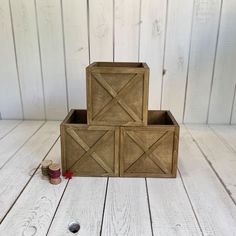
<point x="54" y="173"/>
<point x="45" y="166"/>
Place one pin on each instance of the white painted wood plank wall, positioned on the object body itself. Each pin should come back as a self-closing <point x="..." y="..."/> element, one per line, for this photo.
<point x="45" y="46"/>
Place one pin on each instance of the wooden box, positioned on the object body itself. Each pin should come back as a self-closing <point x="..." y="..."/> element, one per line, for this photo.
<point x="117" y="93"/>
<point x="88" y="150"/>
<point x="150" y="151"/>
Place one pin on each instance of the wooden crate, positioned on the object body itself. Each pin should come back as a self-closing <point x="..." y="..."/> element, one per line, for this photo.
<point x="88" y="150"/>
<point x="117" y="93"/>
<point x="150" y="151"/>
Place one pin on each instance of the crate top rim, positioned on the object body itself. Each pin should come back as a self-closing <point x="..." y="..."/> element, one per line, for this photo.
<point x="175" y="123"/>
<point x="137" y="66"/>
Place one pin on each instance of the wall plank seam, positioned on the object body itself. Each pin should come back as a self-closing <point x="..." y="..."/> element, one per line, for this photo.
<point x="16" y="62"/>
<point x="164" y="52"/>
<point x="88" y="26"/>
<point x="139" y="32"/>
<point x="40" y="60"/>
<point x="64" y="54"/>
<point x="113" y="30"/>
<point x="189" y="55"/>
<point x="214" y="63"/>
<point x="233" y="103"/>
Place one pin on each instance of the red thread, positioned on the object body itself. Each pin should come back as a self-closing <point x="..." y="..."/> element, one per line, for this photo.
<point x="68" y="175"/>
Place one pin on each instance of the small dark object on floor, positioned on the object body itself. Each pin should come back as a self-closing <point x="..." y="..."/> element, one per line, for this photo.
<point x="74" y="227"/>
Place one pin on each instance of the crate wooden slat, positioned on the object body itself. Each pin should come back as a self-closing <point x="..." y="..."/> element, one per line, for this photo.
<point x="150" y="151"/>
<point x="117" y="93"/>
<point x="88" y="150"/>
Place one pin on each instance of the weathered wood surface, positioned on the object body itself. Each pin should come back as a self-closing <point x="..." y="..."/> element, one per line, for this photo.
<point x="83" y="202"/>
<point x="227" y="134"/>
<point x="52" y="56"/>
<point x="215" y="210"/>
<point x="6" y="126"/>
<point x="10" y="94"/>
<point x="117" y="93"/>
<point x="205" y="25"/>
<point x="34" y="210"/>
<point x="19" y="170"/>
<point x="90" y="151"/>
<point x="76" y="50"/>
<point x="153" y="16"/>
<point x="221" y="158"/>
<point x="147" y="152"/>
<point x="126" y="208"/>
<point x="126" y="30"/>
<point x="16" y="139"/>
<point x="28" y="58"/>
<point x="178" y="38"/>
<point x="170" y="207"/>
<point x="223" y="105"/>
<point x="195" y="203"/>
<point x="101" y="30"/>
<point x="189" y="45"/>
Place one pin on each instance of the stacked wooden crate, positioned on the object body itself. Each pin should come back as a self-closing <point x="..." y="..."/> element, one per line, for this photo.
<point x="117" y="135"/>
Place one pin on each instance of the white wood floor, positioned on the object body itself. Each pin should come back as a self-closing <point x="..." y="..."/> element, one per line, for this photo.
<point x="200" y="201"/>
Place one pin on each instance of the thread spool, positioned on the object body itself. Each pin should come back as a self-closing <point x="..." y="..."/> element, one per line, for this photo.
<point x="45" y="167"/>
<point x="54" y="174"/>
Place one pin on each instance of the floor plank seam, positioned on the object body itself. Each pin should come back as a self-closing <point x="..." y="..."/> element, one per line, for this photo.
<point x="149" y="208"/>
<point x="190" y="202"/>
<point x="212" y="168"/>
<point x="104" y="205"/>
<point x="26" y="141"/>
<point x="223" y="140"/>
<point x="58" y="205"/>
<point x="35" y="170"/>
<point x="11" y="130"/>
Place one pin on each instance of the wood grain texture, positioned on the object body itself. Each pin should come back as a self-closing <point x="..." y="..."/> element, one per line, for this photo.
<point x="24" y="163"/>
<point x="145" y="154"/>
<point x="53" y="67"/>
<point x="152" y="40"/>
<point x="225" y="72"/>
<point x="14" y="141"/>
<point x="10" y="99"/>
<point x="126" y="209"/>
<point x="82" y="202"/>
<point x="33" y="215"/>
<point x="202" y="54"/>
<point x="6" y="126"/>
<point x="214" y="208"/>
<point x="101" y="30"/>
<point x="176" y="56"/>
<point x="89" y="150"/>
<point x="28" y="57"/>
<point x="222" y="159"/>
<point x="233" y="116"/>
<point x="76" y="50"/>
<point x="150" y="151"/>
<point x="227" y="134"/>
<point x="117" y="93"/>
<point x="198" y="58"/>
<point x="127" y="23"/>
<point x="170" y="208"/>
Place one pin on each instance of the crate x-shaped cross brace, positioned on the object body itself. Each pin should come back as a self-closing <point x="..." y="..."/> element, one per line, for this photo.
<point x="116" y="97"/>
<point x="90" y="151"/>
<point x="148" y="152"/>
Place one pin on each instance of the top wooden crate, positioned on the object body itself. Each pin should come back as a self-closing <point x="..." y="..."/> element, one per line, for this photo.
<point x="117" y="93"/>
